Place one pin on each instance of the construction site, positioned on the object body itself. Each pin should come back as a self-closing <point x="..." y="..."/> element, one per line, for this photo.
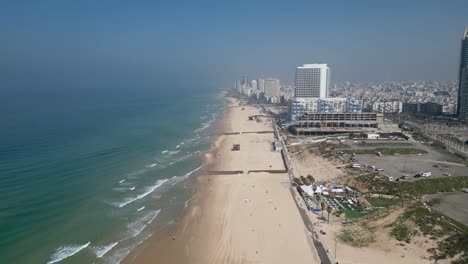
<point x="336" y="123"/>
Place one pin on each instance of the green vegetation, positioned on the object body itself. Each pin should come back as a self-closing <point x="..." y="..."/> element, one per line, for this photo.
<point x="385" y="151"/>
<point x="401" y="232"/>
<point x="354" y="214"/>
<point x="421" y="186"/>
<point x="435" y="225"/>
<point x="381" y="201"/>
<point x="358" y="235"/>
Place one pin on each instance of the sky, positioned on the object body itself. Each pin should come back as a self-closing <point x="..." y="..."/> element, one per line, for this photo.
<point x="217" y="42"/>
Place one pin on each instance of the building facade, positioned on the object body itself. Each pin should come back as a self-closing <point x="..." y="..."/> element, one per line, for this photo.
<point x="462" y="103"/>
<point x="261" y="85"/>
<point x="272" y="88"/>
<point x="301" y="106"/>
<point x="312" y="81"/>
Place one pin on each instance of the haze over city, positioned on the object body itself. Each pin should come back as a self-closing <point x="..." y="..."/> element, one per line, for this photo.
<point x="361" y="41"/>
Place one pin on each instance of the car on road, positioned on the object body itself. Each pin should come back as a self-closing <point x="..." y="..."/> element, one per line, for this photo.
<point x="447" y="174"/>
<point x="465" y="190"/>
<point x="388" y="178"/>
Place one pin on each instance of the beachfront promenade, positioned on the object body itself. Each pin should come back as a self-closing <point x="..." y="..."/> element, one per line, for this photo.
<point x="325" y="257"/>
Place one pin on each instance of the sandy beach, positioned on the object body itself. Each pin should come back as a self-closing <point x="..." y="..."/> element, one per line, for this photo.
<point x="249" y="217"/>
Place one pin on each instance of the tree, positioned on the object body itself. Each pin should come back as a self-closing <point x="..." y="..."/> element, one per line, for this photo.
<point x="329" y="209"/>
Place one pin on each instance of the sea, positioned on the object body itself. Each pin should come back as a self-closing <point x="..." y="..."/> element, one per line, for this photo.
<point x="88" y="176"/>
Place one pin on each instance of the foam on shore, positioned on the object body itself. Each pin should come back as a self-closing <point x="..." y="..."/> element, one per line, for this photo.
<point x="66" y="251"/>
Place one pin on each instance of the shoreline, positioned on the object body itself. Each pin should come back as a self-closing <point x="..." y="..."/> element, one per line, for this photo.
<point x="200" y="234"/>
<point x="171" y="227"/>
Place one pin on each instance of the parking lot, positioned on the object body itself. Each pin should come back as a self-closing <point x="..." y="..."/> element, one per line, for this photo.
<point x="454" y="205"/>
<point x="439" y="164"/>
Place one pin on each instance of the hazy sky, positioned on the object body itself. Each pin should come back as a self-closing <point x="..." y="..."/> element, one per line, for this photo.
<point x="219" y="41"/>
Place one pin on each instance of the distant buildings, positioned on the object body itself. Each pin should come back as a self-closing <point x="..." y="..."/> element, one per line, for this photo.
<point x="253" y="85"/>
<point x="387" y="107"/>
<point x="261" y="85"/>
<point x="429" y="108"/>
<point x="462" y="105"/>
<point x="272" y="88"/>
<point x="312" y="81"/>
<point x="268" y="89"/>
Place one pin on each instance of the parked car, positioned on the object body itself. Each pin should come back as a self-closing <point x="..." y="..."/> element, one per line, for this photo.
<point x="404" y="177"/>
<point x="447" y="174"/>
<point x="465" y="190"/>
<point x="388" y="178"/>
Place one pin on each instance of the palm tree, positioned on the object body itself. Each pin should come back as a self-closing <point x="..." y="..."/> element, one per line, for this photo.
<point x="329" y="209"/>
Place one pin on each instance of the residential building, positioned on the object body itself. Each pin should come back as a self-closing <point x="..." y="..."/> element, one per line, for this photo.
<point x="272" y="88"/>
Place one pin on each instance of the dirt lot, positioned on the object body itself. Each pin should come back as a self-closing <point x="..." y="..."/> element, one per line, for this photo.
<point x="436" y="162"/>
<point x="454" y="205"/>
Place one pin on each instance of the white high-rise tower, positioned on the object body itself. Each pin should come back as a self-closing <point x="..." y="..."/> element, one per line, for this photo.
<point x="312" y="81"/>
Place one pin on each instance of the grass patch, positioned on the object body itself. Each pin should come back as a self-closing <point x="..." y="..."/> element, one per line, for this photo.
<point x="401" y="232"/>
<point x="359" y="235"/>
<point x="436" y="225"/>
<point x="354" y="214"/>
<point x="420" y="186"/>
<point x="380" y="201"/>
<point x="386" y="151"/>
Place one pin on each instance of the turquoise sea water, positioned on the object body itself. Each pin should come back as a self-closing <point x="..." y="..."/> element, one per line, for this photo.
<point x="87" y="178"/>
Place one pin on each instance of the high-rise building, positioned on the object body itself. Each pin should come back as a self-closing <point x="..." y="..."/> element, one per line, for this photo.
<point x="272" y="88"/>
<point x="253" y="84"/>
<point x="462" y="104"/>
<point x="245" y="81"/>
<point x="312" y="81"/>
<point x="261" y="85"/>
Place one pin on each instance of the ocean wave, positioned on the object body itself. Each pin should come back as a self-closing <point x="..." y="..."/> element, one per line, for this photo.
<point x="178" y="146"/>
<point x="148" y="190"/>
<point x="141" y="208"/>
<point x="101" y="251"/>
<point x="121" y="181"/>
<point x="133" y="188"/>
<point x="120" y="254"/>
<point x="187" y="202"/>
<point x="164" y="151"/>
<point x="66" y="251"/>
<point x="193" y="139"/>
<point x="177" y="179"/>
<point x="120" y="189"/>
<point x="139" y="225"/>
<point x="151" y="165"/>
<point x="173" y="152"/>
<point x="136" y="173"/>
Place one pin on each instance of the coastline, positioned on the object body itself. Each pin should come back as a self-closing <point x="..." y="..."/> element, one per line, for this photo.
<point x="228" y="220"/>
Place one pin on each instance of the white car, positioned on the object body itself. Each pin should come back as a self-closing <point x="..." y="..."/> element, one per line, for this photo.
<point x="465" y="190"/>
